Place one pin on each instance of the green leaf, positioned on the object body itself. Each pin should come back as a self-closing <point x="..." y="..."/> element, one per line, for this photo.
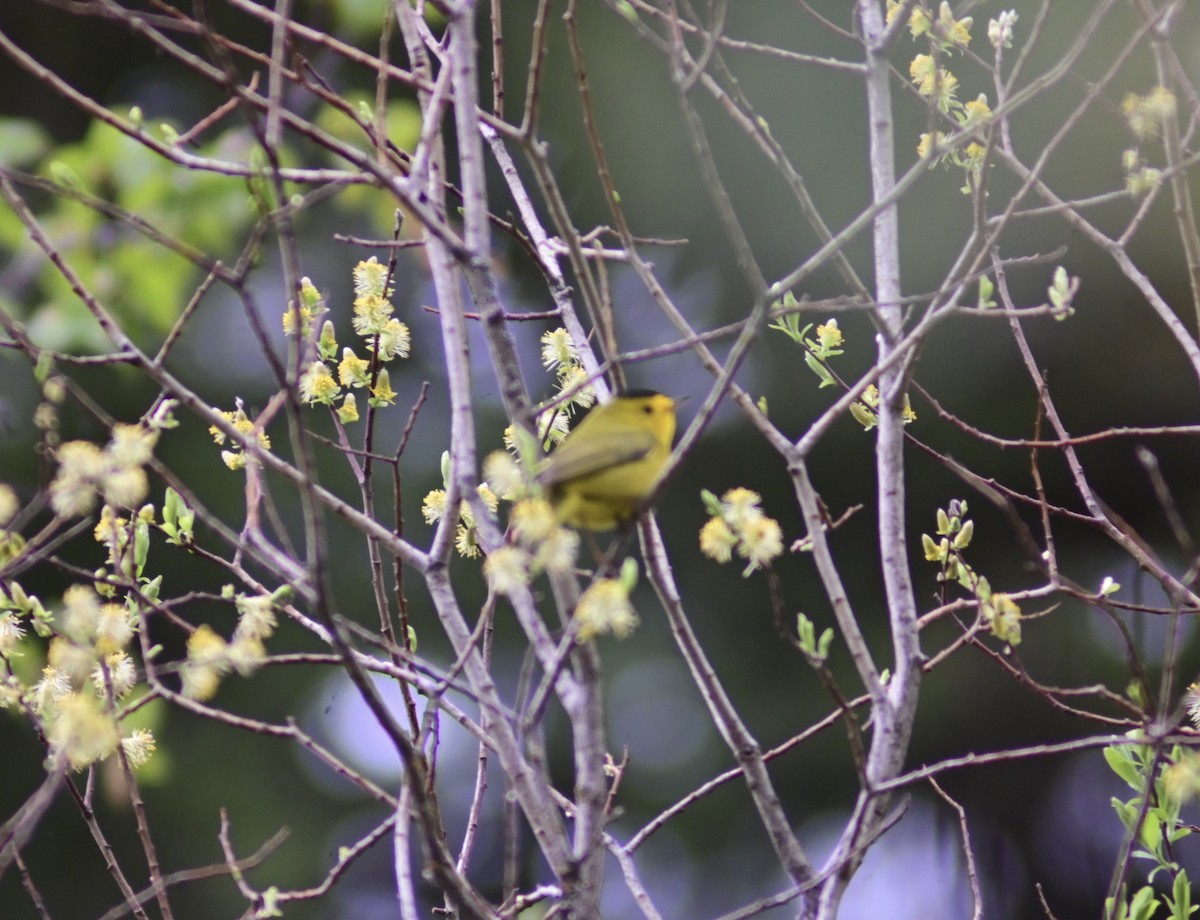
<point x="789" y="323"/>
<point x="1126" y="811"/>
<point x="170" y="508"/>
<point x="963" y="538"/>
<point x="45" y="364"/>
<point x="629" y="574"/>
<point x="1062" y="292"/>
<point x="806" y="633"/>
<point x="178" y="518"/>
<point x="712" y="504"/>
<point x="983" y="589"/>
<point x="1181" y="897"/>
<point x="151" y="587"/>
<point x="141" y="545"/>
<point x="1120" y="761"/>
<point x="986" y="289"/>
<point x="864" y="416"/>
<point x="1143" y="904"/>
<point x="269" y="908"/>
<point x="1151" y="833"/>
<point x="824" y="643"/>
<point x="62" y="174"/>
<point x="818" y="368"/>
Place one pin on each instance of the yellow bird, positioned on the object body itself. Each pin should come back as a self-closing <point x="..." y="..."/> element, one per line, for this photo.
<point x="611" y="461"/>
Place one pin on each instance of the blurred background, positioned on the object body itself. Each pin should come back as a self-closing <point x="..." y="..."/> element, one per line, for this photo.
<point x="1043" y="823"/>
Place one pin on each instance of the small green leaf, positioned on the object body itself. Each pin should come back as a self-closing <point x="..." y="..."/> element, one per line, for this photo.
<point x="270" y="901"/>
<point x="824" y="643"/>
<point x="1151" y="833"/>
<point x="805" y="632"/>
<point x="64" y="175"/>
<point x="151" y="587"/>
<point x="963" y="538"/>
<point x="1127" y="812"/>
<point x="1181" y="900"/>
<point x="983" y="589"/>
<point x="45" y="365"/>
<point x="141" y="545"/>
<point x="1062" y="292"/>
<point x="818" y="368"/>
<point x="864" y="416"/>
<point x="1121" y="763"/>
<point x="712" y="504"/>
<point x="1143" y="904"/>
<point x="986" y="289"/>
<point x="178" y="519"/>
<point x="814" y="648"/>
<point x="789" y="324"/>
<point x="629" y="574"/>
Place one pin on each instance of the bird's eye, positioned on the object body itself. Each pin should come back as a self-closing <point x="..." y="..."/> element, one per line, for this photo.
<point x="647" y="409"/>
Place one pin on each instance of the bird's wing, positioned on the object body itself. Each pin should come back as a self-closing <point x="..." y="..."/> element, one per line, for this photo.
<point x="573" y="459"/>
